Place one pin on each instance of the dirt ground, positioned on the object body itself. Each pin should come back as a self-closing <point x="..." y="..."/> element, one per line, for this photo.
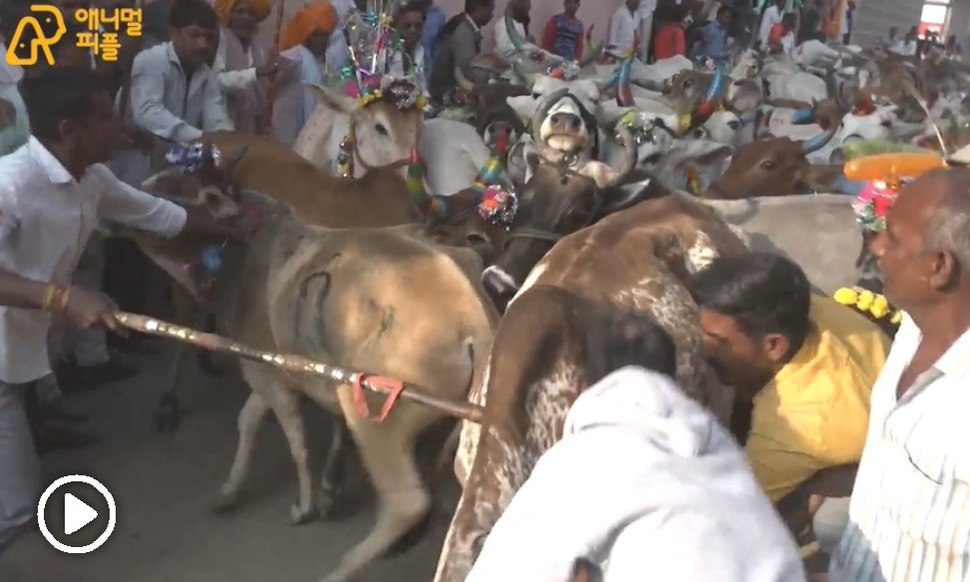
<point x="163" y="485"/>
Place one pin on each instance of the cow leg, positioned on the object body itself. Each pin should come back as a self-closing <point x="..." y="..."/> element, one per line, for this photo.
<point x="404" y="500"/>
<point x="286" y="405"/>
<point x="250" y="420"/>
<point x="333" y="471"/>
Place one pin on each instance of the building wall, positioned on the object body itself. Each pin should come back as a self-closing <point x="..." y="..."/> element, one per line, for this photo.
<point x="874" y="18"/>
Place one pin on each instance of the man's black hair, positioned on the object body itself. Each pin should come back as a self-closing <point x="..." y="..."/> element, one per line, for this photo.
<point x="471" y="5"/>
<point x="724" y="9"/>
<point x="762" y="292"/>
<point x="58" y="94"/>
<point x="628" y="339"/>
<point x="193" y="12"/>
<point x="412" y="6"/>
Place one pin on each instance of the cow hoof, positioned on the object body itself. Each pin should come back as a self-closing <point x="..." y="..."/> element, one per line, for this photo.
<point x="225" y="502"/>
<point x="300" y="516"/>
<point x="325" y="502"/>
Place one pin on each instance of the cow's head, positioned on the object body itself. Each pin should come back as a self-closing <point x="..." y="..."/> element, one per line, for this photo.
<point x="690" y="162"/>
<point x="560" y="198"/>
<point x="201" y="181"/>
<point x="773" y="166"/>
<point x="562" y="123"/>
<point x="477" y="217"/>
<point x="384" y="125"/>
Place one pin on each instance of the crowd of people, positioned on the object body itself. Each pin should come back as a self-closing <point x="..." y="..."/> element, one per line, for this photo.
<point x="828" y="408"/>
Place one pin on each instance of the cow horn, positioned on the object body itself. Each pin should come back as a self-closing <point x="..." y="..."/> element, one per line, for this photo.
<point x="709" y="104"/>
<point x="431" y="206"/>
<point x="803" y="116"/>
<point x="491" y="173"/>
<point x="819" y="141"/>
<point x="624" y="94"/>
<point x="543" y="110"/>
<point x="518" y="41"/>
<point x="592" y="50"/>
<point x="762" y="122"/>
<point x="527" y="80"/>
<point x="630" y="155"/>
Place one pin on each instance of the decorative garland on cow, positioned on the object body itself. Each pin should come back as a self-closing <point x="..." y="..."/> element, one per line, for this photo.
<point x="392" y="388"/>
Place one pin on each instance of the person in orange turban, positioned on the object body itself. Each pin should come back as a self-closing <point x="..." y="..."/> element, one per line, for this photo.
<point x="311" y="27"/>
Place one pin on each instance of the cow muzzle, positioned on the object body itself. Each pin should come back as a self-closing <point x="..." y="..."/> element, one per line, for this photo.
<point x="565" y="132"/>
<point x="499" y="286"/>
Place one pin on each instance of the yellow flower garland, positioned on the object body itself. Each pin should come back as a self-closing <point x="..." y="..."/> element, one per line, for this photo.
<point x="868" y="302"/>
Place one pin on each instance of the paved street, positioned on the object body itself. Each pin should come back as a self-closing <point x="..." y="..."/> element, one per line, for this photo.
<point x="163" y="485"/>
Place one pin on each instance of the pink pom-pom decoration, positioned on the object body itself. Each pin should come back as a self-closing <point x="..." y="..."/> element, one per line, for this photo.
<point x="498" y="206"/>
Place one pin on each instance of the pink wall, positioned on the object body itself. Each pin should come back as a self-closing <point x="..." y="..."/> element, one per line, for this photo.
<point x="595" y="12"/>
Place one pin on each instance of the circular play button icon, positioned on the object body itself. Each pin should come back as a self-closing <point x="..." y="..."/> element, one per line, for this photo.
<point x="76" y="514"/>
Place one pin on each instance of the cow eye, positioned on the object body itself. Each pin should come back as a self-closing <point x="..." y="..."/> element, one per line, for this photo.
<point x="688" y="83"/>
<point x="379" y="127"/>
<point x="768" y="165"/>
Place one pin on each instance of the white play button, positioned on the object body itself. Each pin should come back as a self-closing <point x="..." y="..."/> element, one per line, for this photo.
<point x="86" y="509"/>
<point x="77" y="514"/>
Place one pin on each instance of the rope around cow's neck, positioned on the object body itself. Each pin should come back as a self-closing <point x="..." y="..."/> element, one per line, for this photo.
<point x="295" y="364"/>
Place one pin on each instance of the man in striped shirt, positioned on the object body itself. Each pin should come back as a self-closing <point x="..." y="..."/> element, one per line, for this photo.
<point x="910" y="508"/>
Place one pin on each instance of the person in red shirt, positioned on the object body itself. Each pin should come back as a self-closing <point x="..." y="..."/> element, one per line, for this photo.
<point x="669" y="41"/>
<point x="564" y="33"/>
<point x="781" y="37"/>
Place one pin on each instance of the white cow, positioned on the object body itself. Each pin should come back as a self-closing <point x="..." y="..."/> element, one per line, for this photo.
<point x="453" y="153"/>
<point x="384" y="134"/>
<point x="817" y="231"/>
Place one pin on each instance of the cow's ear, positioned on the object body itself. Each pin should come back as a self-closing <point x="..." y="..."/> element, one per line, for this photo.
<point x="639" y="187"/>
<point x="332" y="99"/>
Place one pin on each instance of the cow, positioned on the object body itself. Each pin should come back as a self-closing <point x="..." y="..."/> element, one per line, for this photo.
<point x="689" y="162"/>
<point x="381" y="133"/>
<point x="817" y="231"/>
<point x="378" y="198"/>
<point x="564" y="193"/>
<point x="781" y="79"/>
<point x="777" y="166"/>
<point x="385" y="301"/>
<point x="635" y="260"/>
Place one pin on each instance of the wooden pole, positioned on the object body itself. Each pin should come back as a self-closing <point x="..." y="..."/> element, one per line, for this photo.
<point x="296" y="364"/>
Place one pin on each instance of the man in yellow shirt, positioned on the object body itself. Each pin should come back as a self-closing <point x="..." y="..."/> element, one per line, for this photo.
<point x="802" y="363"/>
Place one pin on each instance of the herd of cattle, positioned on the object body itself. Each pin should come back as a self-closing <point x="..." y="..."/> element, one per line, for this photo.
<point x="617" y="200"/>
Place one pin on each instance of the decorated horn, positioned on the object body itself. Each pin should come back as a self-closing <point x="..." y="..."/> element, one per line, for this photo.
<point x="819" y="141"/>
<point x="709" y="105"/>
<point x="630" y="156"/>
<point x="762" y="122"/>
<point x="432" y="206"/>
<point x="491" y="173"/>
<point x="624" y="94"/>
<point x="518" y="41"/>
<point x="523" y="77"/>
<point x="592" y="50"/>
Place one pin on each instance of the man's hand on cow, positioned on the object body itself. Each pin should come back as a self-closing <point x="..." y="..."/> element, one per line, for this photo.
<point x="86" y="308"/>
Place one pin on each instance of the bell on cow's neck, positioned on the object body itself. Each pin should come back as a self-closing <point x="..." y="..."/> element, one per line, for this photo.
<point x="345" y="159"/>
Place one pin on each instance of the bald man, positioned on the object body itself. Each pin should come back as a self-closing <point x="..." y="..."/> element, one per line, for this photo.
<point x="910" y="508"/>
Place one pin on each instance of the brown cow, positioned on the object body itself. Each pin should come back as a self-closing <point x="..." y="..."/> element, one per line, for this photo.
<point x="565" y="193"/>
<point x="634" y="260"/>
<point x="368" y="299"/>
<point x="777" y="166"/>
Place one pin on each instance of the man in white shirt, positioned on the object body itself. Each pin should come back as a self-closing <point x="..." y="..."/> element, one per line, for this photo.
<point x="623" y="30"/>
<point x="53" y="191"/>
<point x="645" y="15"/>
<point x="670" y="499"/>
<point x="174" y="93"/>
<point x="910" y="507"/>
<point x="771" y="17"/>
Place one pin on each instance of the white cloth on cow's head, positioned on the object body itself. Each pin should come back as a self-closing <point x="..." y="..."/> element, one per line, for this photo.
<point x="648" y="485"/>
